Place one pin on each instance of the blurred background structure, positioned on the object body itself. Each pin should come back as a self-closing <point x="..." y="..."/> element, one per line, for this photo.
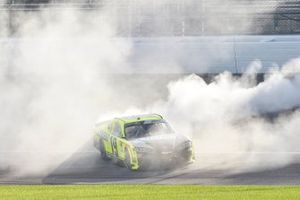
<point x="200" y="36"/>
<point x="183" y="17"/>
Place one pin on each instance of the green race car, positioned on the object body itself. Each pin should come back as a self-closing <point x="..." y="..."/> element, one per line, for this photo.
<point x="141" y="142"/>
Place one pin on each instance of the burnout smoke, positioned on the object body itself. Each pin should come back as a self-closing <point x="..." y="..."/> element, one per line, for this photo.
<point x="229" y="118"/>
<point x="54" y="88"/>
<point x="56" y="79"/>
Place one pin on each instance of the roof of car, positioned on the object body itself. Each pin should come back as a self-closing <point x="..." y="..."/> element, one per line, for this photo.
<point x="135" y="118"/>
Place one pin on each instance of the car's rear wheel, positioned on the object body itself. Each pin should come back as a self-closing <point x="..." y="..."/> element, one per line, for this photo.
<point x="104" y="155"/>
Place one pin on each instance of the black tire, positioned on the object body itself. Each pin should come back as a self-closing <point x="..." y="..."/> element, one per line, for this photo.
<point x="102" y="151"/>
<point x="116" y="160"/>
<point x="127" y="161"/>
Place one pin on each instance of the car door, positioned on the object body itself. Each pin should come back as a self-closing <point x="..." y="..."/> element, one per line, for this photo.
<point x="117" y="141"/>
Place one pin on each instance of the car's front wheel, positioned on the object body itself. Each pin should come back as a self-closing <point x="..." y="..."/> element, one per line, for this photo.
<point x="127" y="161"/>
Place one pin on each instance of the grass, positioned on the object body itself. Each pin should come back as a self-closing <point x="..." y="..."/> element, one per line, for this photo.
<point x="156" y="192"/>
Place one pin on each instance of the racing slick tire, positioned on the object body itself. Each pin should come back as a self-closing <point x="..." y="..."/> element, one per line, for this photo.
<point x="104" y="156"/>
<point x="116" y="161"/>
<point x="127" y="161"/>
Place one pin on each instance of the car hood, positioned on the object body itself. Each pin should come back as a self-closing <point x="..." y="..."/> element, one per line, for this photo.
<point x="167" y="142"/>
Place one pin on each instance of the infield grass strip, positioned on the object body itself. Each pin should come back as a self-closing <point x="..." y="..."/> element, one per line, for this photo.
<point x="156" y="192"/>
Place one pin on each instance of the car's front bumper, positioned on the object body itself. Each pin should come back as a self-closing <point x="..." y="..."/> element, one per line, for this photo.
<point x="167" y="159"/>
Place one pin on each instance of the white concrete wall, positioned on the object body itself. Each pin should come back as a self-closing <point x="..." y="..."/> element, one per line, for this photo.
<point x="215" y="54"/>
<point x="198" y="54"/>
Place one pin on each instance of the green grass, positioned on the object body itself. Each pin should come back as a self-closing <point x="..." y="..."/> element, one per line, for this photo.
<point x="144" y="192"/>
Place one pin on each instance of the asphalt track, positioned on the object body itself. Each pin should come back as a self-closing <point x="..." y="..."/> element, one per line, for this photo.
<point x="86" y="167"/>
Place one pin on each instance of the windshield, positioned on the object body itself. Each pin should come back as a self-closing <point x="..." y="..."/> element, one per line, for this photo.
<point x="147" y="128"/>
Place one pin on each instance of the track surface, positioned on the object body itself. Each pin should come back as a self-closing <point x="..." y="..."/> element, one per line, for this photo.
<point x="86" y="166"/>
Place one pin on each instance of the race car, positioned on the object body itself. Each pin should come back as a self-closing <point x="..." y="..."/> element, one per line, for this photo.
<point x="142" y="142"/>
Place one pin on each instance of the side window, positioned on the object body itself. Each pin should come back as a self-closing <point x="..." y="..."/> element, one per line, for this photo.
<point x="117" y="130"/>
